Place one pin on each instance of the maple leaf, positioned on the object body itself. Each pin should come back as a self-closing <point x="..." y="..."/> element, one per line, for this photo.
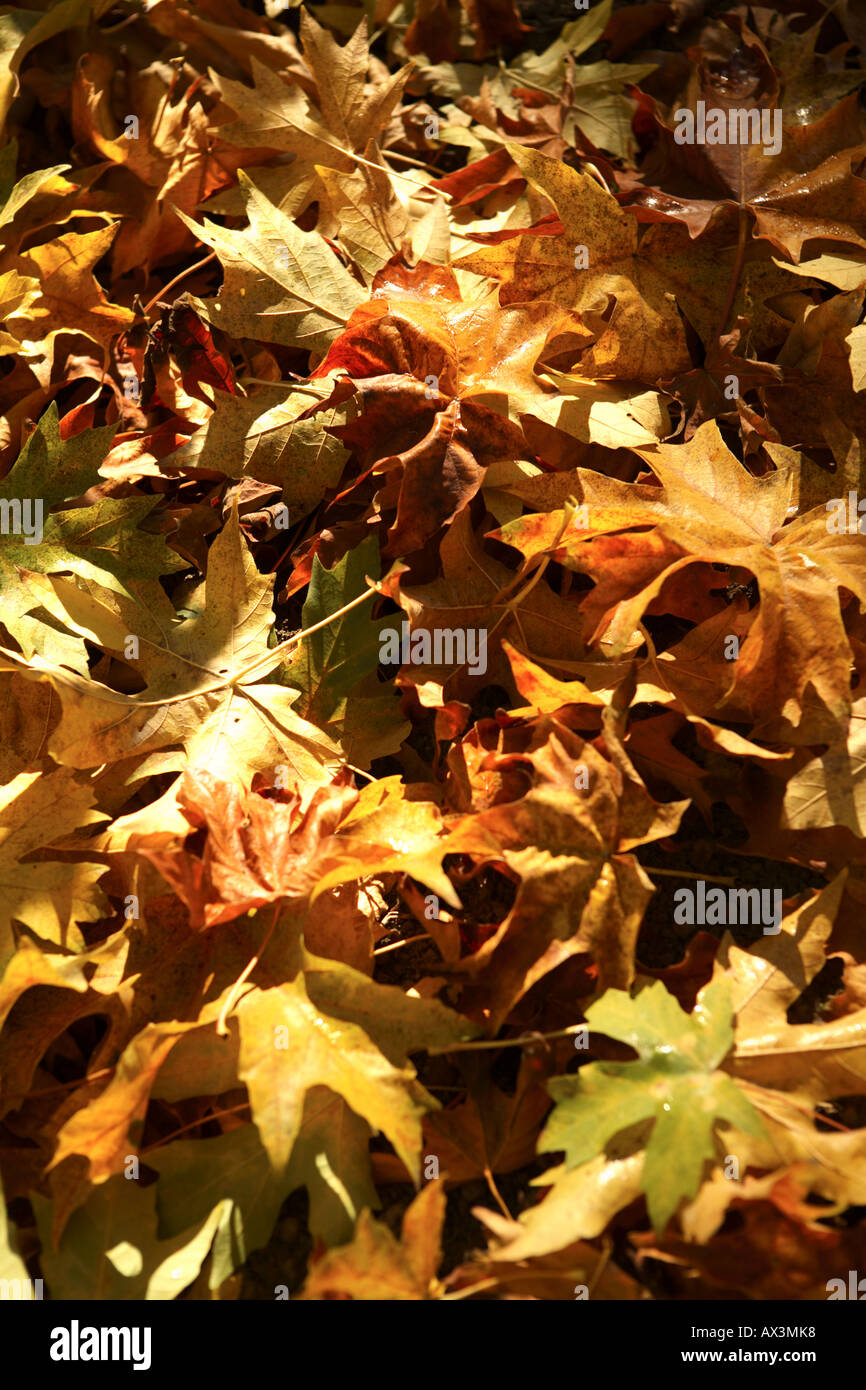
<point x="597" y="413"/>
<point x="262" y="850"/>
<point x="398" y="1023"/>
<point x="14" y="195"/>
<point x="100" y="542"/>
<point x="579" y="888"/>
<point x="376" y="1265"/>
<point x="786" y="1068"/>
<point x="195" y="1175"/>
<point x="65" y="987"/>
<point x="101" y="1127"/>
<point x="829" y="789"/>
<point x="476" y="319"/>
<point x="676" y="1084"/>
<point x="267" y="437"/>
<point x="809" y="84"/>
<point x="598" y="105"/>
<point x="321" y="1051"/>
<point x="374" y="225"/>
<point x="110" y="1247"/>
<point x="639" y="539"/>
<point x="17" y="294"/>
<point x="546" y="694"/>
<point x="644" y="337"/>
<point x="326" y="140"/>
<point x="24" y="30"/>
<point x="49" y="897"/>
<point x="280" y="117"/>
<point x="814" y="1060"/>
<point x="490" y="1131"/>
<point x="440" y="381"/>
<point x="349" y="109"/>
<point x="806" y="189"/>
<point x="281" y="284"/>
<point x="257" y="851"/>
<point x="578" y="1205"/>
<point x="172" y="159"/>
<point x="207" y="687"/>
<point x="475" y="591"/>
<point x="71" y="297"/>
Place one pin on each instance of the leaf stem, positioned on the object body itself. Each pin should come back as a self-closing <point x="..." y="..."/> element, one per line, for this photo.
<point x="193" y="1124"/>
<point x="396" y="945"/>
<point x="742" y="238"/>
<point x="523" y="1041"/>
<point x="536" y="575"/>
<point x="379" y="168"/>
<point x="497" y="1195"/>
<point x="687" y="873"/>
<point x="304" y="633"/>
<point x="468" y="1292"/>
<point x="177" y="279"/>
<point x="321" y="394"/>
<point x="131" y="702"/>
<point x="415" y="163"/>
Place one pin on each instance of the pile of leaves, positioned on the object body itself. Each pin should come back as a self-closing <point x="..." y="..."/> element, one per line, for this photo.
<point x="431" y="556"/>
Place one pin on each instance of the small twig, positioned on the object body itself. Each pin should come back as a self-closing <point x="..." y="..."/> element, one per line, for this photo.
<point x="513" y="1274"/>
<point x="521" y="594"/>
<point x="113" y="28"/>
<point x="803" y="1106"/>
<point x="603" y="1262"/>
<point x="359" y="772"/>
<point x="131" y="702"/>
<point x="368" y="163"/>
<point x="339" y="1189"/>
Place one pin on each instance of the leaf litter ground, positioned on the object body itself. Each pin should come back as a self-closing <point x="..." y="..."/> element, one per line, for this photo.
<point x="432" y="615"/>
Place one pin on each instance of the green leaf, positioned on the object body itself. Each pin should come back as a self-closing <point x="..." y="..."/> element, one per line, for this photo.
<point x="197" y="1174"/>
<point x="675" y="1084"/>
<point x="100" y="542"/>
<point x="109" y="1248"/>
<point x="334" y="668"/>
<point x="397" y="1022"/>
<point x="197" y="694"/>
<point x="330" y="662"/>
<point x="14" y="196"/>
